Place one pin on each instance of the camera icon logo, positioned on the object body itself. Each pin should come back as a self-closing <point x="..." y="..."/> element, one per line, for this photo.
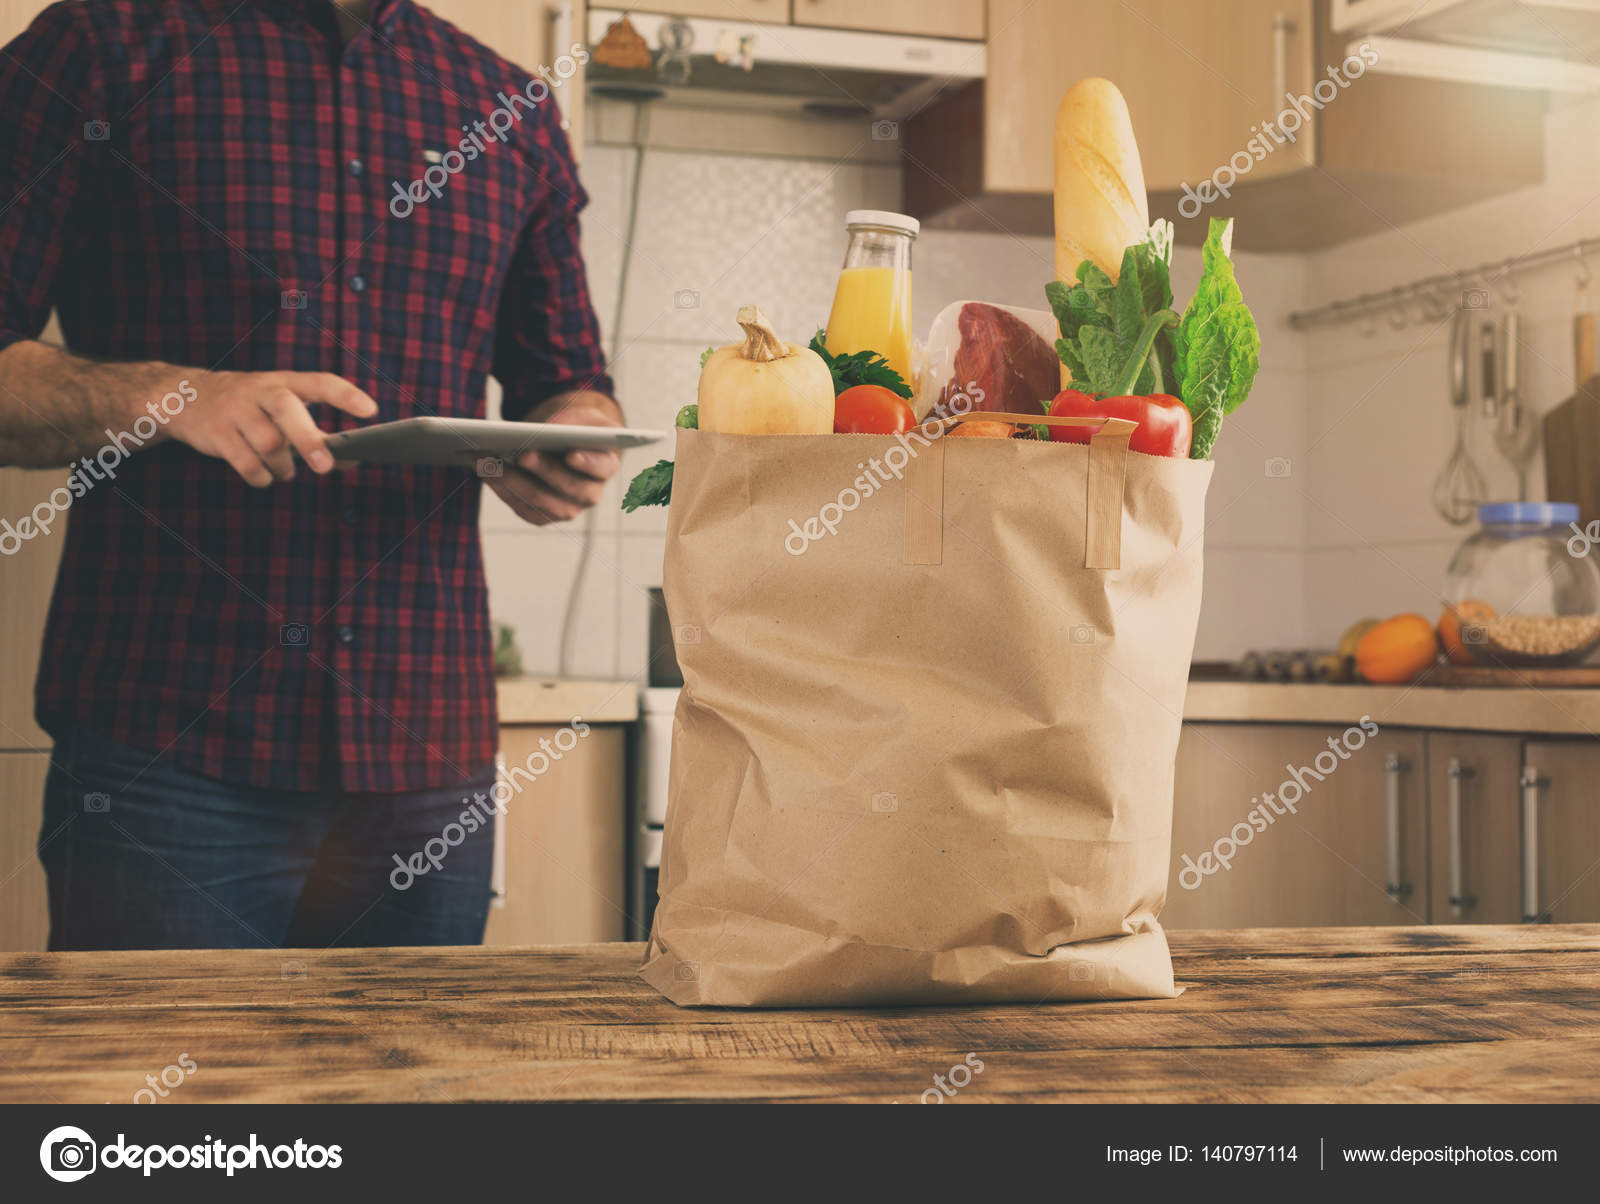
<point x="687" y="633"/>
<point x="1083" y="633"/>
<point x="1279" y="467"/>
<point x="97" y="803"/>
<point x="1474" y="633"/>
<point x="686" y="971"/>
<point x="488" y="467"/>
<point x="294" y="635"/>
<point x="97" y="131"/>
<point x="686" y="298"/>
<point x="1080" y="972"/>
<point x="885" y="131"/>
<point x="1475" y="298"/>
<point x="292" y="971"/>
<point x="294" y="298"/>
<point x="67" y="1154"/>
<point x="884" y="803"/>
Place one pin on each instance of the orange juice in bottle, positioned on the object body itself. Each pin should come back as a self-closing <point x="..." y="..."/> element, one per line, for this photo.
<point x="872" y="304"/>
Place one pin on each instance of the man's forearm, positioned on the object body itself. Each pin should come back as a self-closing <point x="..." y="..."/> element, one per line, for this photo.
<point x="56" y="407"/>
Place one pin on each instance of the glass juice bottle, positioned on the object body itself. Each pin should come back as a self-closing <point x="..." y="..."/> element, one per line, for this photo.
<point x="872" y="305"/>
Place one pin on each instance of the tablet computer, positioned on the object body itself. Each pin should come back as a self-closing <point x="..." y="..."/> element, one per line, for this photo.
<point x="460" y="442"/>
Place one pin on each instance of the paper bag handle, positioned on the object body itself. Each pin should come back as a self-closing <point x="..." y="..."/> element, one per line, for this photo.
<point x="1108" y="461"/>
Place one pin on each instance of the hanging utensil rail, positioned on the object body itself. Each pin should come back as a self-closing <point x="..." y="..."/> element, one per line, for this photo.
<point x="1431" y="289"/>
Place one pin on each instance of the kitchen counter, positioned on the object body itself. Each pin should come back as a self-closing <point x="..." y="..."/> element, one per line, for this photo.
<point x="1563" y="712"/>
<point x="525" y="700"/>
<point x="1282" y="1015"/>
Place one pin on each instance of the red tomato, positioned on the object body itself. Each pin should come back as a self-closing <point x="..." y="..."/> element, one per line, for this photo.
<point x="1164" y="426"/>
<point x="871" y="410"/>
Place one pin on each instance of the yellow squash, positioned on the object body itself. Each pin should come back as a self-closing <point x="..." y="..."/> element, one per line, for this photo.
<point x="765" y="386"/>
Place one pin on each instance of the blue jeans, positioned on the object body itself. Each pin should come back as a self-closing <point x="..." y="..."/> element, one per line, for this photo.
<point x="139" y="854"/>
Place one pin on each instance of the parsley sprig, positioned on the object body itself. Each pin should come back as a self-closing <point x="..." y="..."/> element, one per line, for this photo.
<point x="859" y="368"/>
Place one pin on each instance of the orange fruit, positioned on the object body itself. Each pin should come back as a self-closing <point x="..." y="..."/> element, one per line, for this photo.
<point x="1467" y="613"/>
<point x="1397" y="649"/>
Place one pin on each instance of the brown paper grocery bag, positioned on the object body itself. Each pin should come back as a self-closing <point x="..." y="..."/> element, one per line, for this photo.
<point x="932" y="695"/>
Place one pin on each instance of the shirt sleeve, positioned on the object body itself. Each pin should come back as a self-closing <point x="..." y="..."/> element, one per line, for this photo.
<point x="548" y="339"/>
<point x="48" y="124"/>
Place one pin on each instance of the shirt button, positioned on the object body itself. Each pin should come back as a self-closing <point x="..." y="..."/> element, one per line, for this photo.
<point x="358" y="283"/>
<point x="356" y="167"/>
<point x="347" y="635"/>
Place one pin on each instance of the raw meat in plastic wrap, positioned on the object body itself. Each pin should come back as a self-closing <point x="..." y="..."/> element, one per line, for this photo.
<point x="989" y="357"/>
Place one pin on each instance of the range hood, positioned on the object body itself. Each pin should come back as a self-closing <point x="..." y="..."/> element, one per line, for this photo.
<point x="713" y="63"/>
<point x="1546" y="45"/>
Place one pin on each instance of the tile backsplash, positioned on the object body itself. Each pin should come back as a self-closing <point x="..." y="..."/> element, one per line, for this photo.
<point x="1319" y="511"/>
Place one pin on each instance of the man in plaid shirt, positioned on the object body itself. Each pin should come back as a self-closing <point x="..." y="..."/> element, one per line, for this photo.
<point x="266" y="684"/>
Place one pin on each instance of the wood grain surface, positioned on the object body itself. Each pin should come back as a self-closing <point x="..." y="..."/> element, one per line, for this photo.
<point x="1461" y="1013"/>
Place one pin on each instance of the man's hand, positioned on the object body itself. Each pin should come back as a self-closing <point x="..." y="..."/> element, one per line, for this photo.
<point x="250" y="419"/>
<point x="253" y="420"/>
<point x="545" y="487"/>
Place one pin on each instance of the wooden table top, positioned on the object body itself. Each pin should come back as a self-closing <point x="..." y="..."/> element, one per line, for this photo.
<point x="1436" y="1013"/>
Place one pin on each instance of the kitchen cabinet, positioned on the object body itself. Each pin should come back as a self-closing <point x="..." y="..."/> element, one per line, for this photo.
<point x="561" y="864"/>
<point x="1381" y="152"/>
<point x="1336" y="859"/>
<point x="24" y="919"/>
<point x="774" y="12"/>
<point x="1560" y="830"/>
<point x="1474" y="832"/>
<point x="926" y="18"/>
<point x="27" y="576"/>
<point x="531" y="36"/>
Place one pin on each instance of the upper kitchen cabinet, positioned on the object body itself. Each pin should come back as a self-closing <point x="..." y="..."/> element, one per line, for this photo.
<point x="927" y="18"/>
<point x="1206" y="96"/>
<point x="533" y="36"/>
<point x="774" y="12"/>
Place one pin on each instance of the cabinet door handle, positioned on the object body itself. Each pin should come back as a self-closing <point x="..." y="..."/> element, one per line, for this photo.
<point x="1459" y="899"/>
<point x="1393" y="766"/>
<point x="1531" y="781"/>
<point x="1282" y="27"/>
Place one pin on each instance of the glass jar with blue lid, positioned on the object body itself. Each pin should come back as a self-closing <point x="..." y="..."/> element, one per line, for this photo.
<point x="1525" y="587"/>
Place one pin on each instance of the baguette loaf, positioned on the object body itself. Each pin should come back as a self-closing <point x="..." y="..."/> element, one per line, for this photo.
<point x="1100" y="202"/>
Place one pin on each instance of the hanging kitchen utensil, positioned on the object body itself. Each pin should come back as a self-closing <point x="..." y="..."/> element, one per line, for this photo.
<point x="1489" y="376"/>
<point x="1516" y="431"/>
<point x="1459" y="487"/>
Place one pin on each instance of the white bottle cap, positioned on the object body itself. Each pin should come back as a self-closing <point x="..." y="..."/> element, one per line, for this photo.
<point x="883" y="218"/>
